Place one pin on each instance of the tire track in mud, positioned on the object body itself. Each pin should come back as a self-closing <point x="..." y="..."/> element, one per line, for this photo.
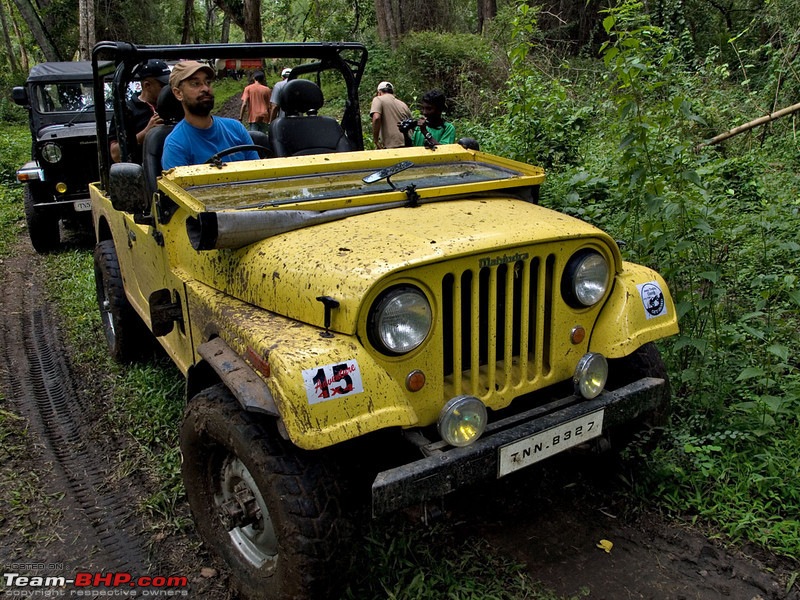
<point x="42" y="388"/>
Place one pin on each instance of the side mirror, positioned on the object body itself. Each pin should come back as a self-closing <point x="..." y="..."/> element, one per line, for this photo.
<point x="20" y="96"/>
<point x="127" y="189"/>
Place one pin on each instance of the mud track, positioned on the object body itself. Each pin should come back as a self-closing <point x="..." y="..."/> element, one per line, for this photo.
<point x="43" y="389"/>
<point x="83" y="514"/>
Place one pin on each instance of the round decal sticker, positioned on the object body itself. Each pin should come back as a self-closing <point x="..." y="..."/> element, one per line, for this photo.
<point x="652" y="299"/>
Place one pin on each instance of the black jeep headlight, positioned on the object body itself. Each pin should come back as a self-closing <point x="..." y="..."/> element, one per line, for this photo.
<point x="51" y="152"/>
<point x="400" y="320"/>
<point x="585" y="279"/>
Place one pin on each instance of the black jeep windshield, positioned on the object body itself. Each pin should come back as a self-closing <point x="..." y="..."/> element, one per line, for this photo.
<point x="281" y="191"/>
<point x="66" y="97"/>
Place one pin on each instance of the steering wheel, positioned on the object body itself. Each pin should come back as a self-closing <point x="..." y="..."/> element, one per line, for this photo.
<point x="263" y="152"/>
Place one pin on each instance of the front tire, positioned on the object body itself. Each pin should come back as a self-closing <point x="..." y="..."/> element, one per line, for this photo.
<point x="43" y="228"/>
<point x="126" y="334"/>
<point x="272" y="512"/>
<point x="646" y="361"/>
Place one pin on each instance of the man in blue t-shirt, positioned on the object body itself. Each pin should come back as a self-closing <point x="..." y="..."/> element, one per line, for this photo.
<point x="199" y="135"/>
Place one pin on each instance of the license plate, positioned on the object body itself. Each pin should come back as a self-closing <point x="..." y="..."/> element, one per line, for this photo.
<point x="527" y="451"/>
<point x="83" y="205"/>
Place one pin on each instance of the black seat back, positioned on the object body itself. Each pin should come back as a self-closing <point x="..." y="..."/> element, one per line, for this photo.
<point x="170" y="110"/>
<point x="261" y="139"/>
<point x="302" y="131"/>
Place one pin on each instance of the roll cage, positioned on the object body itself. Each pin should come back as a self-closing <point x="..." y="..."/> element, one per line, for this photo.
<point x="118" y="59"/>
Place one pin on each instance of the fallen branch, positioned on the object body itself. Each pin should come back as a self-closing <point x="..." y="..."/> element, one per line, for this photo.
<point x="752" y="124"/>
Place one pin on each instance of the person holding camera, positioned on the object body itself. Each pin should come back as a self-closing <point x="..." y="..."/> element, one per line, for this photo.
<point x="385" y="111"/>
<point x="431" y="129"/>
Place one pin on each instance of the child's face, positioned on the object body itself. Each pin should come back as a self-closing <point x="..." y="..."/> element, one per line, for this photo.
<point x="429" y="110"/>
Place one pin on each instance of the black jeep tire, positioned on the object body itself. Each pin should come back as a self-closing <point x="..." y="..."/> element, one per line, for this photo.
<point x="646" y="361"/>
<point x="295" y="546"/>
<point x="43" y="228"/>
<point x="126" y="335"/>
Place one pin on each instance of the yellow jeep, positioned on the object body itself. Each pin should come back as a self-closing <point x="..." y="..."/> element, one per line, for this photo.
<point x="382" y="326"/>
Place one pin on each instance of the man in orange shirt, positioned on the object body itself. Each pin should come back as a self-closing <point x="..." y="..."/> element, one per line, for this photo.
<point x="256" y="100"/>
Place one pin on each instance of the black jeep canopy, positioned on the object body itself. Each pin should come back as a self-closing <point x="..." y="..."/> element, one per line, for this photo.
<point x="61" y="71"/>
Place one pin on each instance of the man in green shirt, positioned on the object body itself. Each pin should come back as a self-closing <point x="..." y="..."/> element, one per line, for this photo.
<point x="432" y="129"/>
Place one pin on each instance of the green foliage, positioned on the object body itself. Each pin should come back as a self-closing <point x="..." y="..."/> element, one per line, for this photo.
<point x="536" y="119"/>
<point x="464" y="66"/>
<point x="16" y="144"/>
<point x="721" y="225"/>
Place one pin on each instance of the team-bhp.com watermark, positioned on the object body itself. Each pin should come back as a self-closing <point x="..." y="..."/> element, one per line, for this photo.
<point x="23" y="584"/>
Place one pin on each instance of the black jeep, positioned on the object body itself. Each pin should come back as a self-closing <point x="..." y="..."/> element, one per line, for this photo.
<point x="59" y="99"/>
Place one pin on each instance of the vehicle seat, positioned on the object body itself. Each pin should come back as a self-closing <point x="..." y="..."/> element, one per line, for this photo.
<point x="170" y="110"/>
<point x="302" y="131"/>
<point x="261" y="139"/>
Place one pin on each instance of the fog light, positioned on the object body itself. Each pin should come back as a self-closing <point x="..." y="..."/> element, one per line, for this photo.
<point x="591" y="375"/>
<point x="462" y="420"/>
<point x="61" y="187"/>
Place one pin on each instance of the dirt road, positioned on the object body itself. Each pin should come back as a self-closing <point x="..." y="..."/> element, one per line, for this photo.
<point x="69" y="505"/>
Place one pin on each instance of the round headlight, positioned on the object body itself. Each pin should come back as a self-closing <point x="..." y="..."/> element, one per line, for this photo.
<point x="591" y="375"/>
<point x="51" y="152"/>
<point x="400" y="320"/>
<point x="585" y="279"/>
<point x="462" y="420"/>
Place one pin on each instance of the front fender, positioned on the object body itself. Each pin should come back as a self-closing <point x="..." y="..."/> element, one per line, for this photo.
<point x="639" y="310"/>
<point x="326" y="389"/>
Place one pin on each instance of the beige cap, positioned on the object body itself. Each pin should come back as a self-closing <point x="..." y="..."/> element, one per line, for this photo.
<point x="185" y="69"/>
<point x="385" y="86"/>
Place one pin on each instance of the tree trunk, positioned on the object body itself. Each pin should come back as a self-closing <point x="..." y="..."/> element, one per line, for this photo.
<point x="12" y="61"/>
<point x="86" y="29"/>
<point x="225" y="35"/>
<point x="751" y="125"/>
<point x="188" y="12"/>
<point x="487" y="10"/>
<point x="25" y="63"/>
<point x="40" y="33"/>
<point x="252" y="21"/>
<point x="233" y="11"/>
<point x="388" y="23"/>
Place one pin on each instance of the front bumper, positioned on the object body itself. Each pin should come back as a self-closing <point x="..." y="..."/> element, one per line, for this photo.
<point x="447" y="470"/>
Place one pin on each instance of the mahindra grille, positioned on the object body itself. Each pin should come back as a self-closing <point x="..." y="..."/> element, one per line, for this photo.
<point x="497" y="324"/>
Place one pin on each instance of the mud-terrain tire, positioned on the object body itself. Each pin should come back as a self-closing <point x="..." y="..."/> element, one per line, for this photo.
<point x="126" y="335"/>
<point x="297" y="545"/>
<point x="43" y="228"/>
<point x="646" y="361"/>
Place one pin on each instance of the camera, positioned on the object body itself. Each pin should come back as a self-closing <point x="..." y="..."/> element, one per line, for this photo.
<point x="407" y="125"/>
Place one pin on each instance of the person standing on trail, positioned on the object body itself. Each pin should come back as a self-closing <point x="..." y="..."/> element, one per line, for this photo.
<point x="276" y="94"/>
<point x="256" y="101"/>
<point x="386" y="112"/>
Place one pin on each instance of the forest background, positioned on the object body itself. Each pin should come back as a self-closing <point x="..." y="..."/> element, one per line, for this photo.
<point x="615" y="101"/>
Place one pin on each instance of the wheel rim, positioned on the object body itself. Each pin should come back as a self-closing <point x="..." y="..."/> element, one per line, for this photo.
<point x="256" y="542"/>
<point x="105" y="311"/>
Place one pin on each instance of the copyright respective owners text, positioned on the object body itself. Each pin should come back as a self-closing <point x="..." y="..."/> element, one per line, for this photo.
<point x="44" y="580"/>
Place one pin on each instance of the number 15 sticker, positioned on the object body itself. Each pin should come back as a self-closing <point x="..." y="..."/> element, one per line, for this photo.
<point x="332" y="381"/>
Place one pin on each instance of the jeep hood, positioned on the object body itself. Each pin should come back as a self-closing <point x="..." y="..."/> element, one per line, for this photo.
<point x="62" y="132"/>
<point x="346" y="258"/>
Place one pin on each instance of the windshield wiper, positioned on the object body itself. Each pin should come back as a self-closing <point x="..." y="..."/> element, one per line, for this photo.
<point x="78" y="114"/>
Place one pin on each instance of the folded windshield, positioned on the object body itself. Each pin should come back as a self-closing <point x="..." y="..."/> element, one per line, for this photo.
<point x="279" y="191"/>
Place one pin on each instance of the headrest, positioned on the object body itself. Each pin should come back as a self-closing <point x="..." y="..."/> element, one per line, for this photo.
<point x="300" y="96"/>
<point x="168" y="106"/>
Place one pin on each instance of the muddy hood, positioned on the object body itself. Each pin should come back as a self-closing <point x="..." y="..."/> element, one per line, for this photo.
<point x="344" y="259"/>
